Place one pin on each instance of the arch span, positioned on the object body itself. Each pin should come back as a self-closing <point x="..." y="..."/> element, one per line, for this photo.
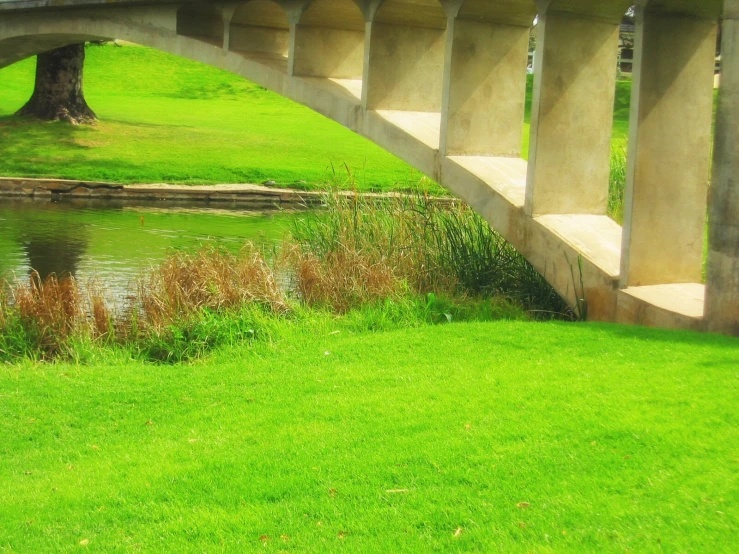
<point x="440" y="107"/>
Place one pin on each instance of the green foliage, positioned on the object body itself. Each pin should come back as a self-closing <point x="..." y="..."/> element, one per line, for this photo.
<point x="508" y="437"/>
<point x="382" y="263"/>
<point x="617" y="186"/>
<point x="433" y="245"/>
<point x="183" y="122"/>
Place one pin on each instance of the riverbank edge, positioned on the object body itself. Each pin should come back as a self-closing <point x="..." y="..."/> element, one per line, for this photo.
<point x="245" y="195"/>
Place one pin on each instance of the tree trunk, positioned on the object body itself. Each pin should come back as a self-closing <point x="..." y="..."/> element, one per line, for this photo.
<point x="58" y="95"/>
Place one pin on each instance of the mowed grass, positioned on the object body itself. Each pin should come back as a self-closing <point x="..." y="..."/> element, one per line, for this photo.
<point x="167" y="119"/>
<point x="487" y="437"/>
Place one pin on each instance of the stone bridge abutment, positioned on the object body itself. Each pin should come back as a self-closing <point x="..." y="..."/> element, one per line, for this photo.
<point x="441" y="84"/>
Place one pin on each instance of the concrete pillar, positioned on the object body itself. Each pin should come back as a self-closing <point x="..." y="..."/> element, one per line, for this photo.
<point x="669" y="150"/>
<point x="484" y="89"/>
<point x="328" y="41"/>
<point x="404" y="57"/>
<point x="260" y="27"/>
<point x="572" y="114"/>
<point x="722" y="282"/>
<point x="227" y="13"/>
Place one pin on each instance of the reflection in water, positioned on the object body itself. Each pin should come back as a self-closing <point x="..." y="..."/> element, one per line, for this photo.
<point x="60" y="256"/>
<point x="108" y="242"/>
<point x="55" y="244"/>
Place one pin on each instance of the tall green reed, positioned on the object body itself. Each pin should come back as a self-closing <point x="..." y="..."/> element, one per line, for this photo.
<point x="433" y="245"/>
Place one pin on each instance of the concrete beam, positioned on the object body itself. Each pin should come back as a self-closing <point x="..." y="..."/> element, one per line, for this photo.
<point x="722" y="279"/>
<point x="572" y="114"/>
<point x="669" y="150"/>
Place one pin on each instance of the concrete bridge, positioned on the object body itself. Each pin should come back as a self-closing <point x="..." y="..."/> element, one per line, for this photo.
<point x="441" y="84"/>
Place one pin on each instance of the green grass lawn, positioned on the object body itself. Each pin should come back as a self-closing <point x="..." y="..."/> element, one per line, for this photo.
<point x="167" y="119"/>
<point x="486" y="437"/>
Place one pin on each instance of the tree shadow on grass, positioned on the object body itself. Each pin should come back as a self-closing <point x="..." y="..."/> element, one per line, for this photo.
<point x="53" y="149"/>
<point x="20" y="134"/>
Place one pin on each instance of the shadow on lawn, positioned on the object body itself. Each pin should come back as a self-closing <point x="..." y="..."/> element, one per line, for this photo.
<point x="647" y="334"/>
<point x="51" y="150"/>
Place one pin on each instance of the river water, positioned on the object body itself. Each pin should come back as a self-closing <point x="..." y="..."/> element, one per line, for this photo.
<point x="115" y="243"/>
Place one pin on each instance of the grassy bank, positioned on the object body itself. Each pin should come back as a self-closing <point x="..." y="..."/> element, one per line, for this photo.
<point x="494" y="437"/>
<point x="167" y="119"/>
<point x="177" y="121"/>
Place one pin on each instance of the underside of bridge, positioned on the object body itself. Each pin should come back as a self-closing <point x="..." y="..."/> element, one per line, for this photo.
<point x="441" y="84"/>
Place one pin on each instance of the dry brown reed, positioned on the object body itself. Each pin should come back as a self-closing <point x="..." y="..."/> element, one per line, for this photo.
<point x="101" y="314"/>
<point x="342" y="279"/>
<point x="214" y="279"/>
<point x="51" y="310"/>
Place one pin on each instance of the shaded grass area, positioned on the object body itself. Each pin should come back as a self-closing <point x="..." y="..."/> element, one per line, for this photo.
<point x="507" y="436"/>
<point x="167" y="119"/>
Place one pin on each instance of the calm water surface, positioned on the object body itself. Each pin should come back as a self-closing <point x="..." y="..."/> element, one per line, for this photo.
<point x="115" y="243"/>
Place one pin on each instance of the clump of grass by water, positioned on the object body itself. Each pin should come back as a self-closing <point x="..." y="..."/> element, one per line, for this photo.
<point x="431" y="245"/>
<point x="41" y="315"/>
<point x="212" y="279"/>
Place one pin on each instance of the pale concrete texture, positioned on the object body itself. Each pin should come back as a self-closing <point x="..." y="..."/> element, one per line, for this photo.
<point x="669" y="150"/>
<point x="405" y="68"/>
<point x="425" y="79"/>
<point x="485" y="89"/>
<point x="259" y="26"/>
<point x="328" y="52"/>
<point x="572" y="114"/>
<point x="722" y="280"/>
<point x="329" y="41"/>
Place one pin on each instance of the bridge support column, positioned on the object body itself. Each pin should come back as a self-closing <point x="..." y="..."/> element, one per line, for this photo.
<point x="403" y="67"/>
<point x="669" y="150"/>
<point x="326" y="52"/>
<point x="202" y="22"/>
<point x="572" y="114"/>
<point x="484" y="89"/>
<point x="722" y="287"/>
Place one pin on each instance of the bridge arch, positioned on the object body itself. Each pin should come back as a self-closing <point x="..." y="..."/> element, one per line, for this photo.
<point x="550" y="208"/>
<point x="411" y="81"/>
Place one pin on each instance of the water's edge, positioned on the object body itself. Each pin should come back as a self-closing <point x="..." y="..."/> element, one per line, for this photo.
<point x="245" y="196"/>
